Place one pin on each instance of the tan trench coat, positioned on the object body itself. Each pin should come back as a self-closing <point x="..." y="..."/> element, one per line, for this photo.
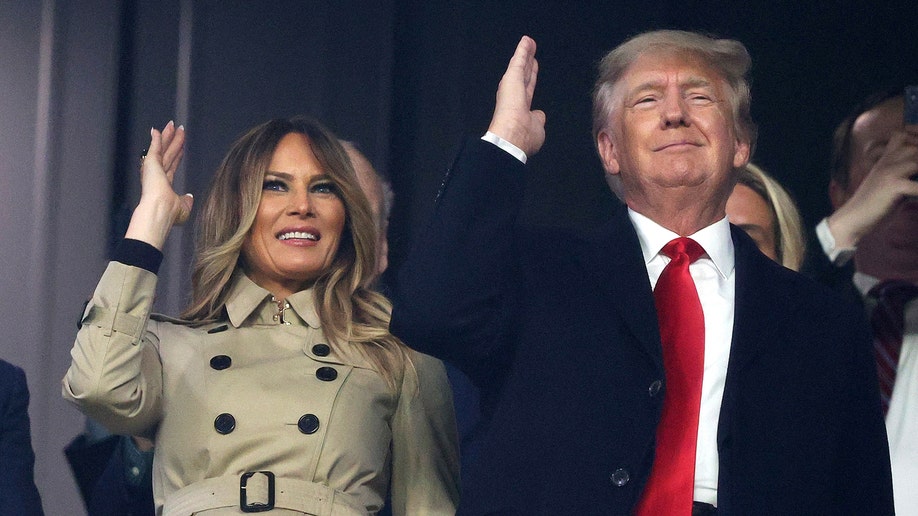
<point x="262" y="392"/>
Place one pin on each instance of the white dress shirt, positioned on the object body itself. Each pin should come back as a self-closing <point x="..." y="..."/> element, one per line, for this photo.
<point x="715" y="281"/>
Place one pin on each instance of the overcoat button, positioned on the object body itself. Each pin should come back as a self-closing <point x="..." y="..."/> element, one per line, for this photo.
<point x="620" y="477"/>
<point x="326" y="374"/>
<point x="654" y="388"/>
<point x="220" y="362"/>
<point x="308" y="424"/>
<point x="321" y="350"/>
<point x="225" y="423"/>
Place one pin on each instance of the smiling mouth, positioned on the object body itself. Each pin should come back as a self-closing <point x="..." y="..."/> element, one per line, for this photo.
<point x="676" y="145"/>
<point x="298" y="235"/>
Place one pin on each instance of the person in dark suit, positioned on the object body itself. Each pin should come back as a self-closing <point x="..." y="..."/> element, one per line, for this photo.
<point x="562" y="334"/>
<point x="870" y="253"/>
<point x="18" y="493"/>
<point x="113" y="472"/>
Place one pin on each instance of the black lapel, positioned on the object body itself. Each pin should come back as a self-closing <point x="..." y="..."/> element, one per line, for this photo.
<point x="613" y="257"/>
<point x="759" y="298"/>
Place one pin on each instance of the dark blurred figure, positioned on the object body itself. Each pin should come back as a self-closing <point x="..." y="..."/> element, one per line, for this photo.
<point x="113" y="472"/>
<point x="870" y="245"/>
<point x="18" y="494"/>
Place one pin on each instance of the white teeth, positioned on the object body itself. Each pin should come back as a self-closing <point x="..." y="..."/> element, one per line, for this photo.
<point x="299" y="235"/>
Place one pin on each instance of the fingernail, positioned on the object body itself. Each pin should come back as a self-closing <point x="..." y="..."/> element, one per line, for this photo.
<point x="181" y="127"/>
<point x="171" y="123"/>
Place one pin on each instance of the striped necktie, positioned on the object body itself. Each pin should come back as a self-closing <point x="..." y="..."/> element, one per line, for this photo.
<point x="888" y="322"/>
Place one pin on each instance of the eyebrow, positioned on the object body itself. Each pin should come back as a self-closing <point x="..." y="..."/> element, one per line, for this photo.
<point x="279" y="175"/>
<point x="657" y="84"/>
<point x="290" y="177"/>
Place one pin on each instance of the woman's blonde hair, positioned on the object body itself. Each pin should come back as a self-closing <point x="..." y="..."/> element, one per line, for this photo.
<point x="351" y="312"/>
<point x="790" y="243"/>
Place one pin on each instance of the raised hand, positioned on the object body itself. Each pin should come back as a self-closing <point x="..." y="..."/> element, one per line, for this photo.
<point x="886" y="185"/>
<point x="513" y="119"/>
<point x="160" y="207"/>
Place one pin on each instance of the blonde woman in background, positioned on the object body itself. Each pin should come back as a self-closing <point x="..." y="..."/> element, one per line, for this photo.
<point x="763" y="208"/>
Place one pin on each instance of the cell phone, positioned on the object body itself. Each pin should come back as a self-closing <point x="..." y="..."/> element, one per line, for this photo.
<point x="911" y="105"/>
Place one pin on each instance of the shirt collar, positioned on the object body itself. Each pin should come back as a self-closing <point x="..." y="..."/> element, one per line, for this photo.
<point x="715" y="239"/>
<point x="246" y="297"/>
<point x="864" y="282"/>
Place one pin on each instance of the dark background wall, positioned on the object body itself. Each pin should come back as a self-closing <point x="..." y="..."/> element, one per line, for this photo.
<point x="82" y="81"/>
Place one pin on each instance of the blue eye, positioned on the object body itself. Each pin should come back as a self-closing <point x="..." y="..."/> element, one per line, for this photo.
<point x="274" y="185"/>
<point x="325" y="187"/>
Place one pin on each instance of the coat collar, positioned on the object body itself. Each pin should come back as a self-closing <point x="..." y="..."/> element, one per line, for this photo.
<point x="247" y="301"/>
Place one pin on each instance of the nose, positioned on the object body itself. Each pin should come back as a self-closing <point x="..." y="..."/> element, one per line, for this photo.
<point x="673" y="112"/>
<point x="300" y="203"/>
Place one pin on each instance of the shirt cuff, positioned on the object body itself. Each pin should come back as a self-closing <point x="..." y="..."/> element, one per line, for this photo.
<point x="837" y="255"/>
<point x="138" y="253"/>
<point x="508" y="147"/>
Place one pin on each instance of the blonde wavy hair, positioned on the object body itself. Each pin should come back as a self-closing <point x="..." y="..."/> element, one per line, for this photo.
<point x="352" y="314"/>
<point x="790" y="242"/>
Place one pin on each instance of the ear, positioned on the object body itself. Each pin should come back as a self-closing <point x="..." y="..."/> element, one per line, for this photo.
<point x="837" y="194"/>
<point x="607" y="152"/>
<point x="741" y="154"/>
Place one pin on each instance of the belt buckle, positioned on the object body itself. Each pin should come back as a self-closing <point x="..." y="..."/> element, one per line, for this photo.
<point x="255" y="506"/>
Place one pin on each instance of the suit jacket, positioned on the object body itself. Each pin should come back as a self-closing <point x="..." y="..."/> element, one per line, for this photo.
<point x="18" y="494"/>
<point x="560" y="334"/>
<point x="99" y="470"/>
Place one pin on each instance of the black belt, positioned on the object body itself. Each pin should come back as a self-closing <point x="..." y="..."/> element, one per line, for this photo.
<point x="703" y="509"/>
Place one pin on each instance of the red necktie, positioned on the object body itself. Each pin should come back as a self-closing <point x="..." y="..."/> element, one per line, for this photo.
<point x="888" y="324"/>
<point x="670" y="488"/>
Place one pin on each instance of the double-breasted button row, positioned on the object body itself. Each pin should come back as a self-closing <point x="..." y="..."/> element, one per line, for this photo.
<point x="308" y="423"/>
<point x="225" y="423"/>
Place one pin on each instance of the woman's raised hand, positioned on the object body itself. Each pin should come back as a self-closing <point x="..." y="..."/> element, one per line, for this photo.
<point x="160" y="207"/>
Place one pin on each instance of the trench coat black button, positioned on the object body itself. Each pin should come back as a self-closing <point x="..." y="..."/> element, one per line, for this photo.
<point x="326" y="374"/>
<point x="654" y="388"/>
<point x="620" y="477"/>
<point x="221" y="362"/>
<point x="218" y="329"/>
<point x="308" y="424"/>
<point x="321" y="350"/>
<point x="225" y="423"/>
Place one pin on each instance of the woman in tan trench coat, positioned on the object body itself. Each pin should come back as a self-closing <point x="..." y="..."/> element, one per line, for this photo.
<point x="280" y="388"/>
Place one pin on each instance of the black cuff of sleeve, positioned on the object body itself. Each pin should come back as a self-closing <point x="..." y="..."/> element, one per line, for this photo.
<point x="138" y="254"/>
